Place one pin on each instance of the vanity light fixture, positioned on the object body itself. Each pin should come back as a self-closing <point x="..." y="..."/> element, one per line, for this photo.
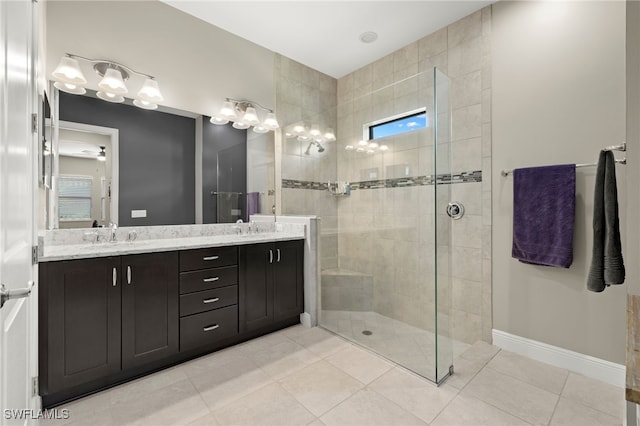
<point x="69" y="78"/>
<point x="243" y="113"/>
<point x="102" y="155"/>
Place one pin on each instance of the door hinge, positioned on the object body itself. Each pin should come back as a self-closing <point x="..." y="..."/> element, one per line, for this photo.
<point x="34" y="387"/>
<point x="34" y="123"/>
<point x="34" y="255"/>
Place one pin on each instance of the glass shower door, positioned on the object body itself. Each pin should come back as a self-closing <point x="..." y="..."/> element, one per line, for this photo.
<point x="443" y="239"/>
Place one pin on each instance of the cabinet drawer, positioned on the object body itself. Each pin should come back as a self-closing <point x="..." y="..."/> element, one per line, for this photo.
<point x="191" y="260"/>
<point x="208" y="327"/>
<point x="208" y="278"/>
<point x="202" y="301"/>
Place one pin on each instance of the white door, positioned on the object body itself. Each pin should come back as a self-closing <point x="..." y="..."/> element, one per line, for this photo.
<point x="17" y="187"/>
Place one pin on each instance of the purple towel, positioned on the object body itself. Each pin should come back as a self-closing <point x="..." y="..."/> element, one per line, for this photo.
<point x="544" y="201"/>
<point x="253" y="203"/>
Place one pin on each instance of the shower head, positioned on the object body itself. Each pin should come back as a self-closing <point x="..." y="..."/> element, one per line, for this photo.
<point x="317" y="144"/>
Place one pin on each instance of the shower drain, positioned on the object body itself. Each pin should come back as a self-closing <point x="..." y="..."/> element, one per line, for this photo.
<point x="367" y="333"/>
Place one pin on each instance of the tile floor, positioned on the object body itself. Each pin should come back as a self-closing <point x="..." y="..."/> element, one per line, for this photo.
<point x="409" y="346"/>
<point x="301" y="376"/>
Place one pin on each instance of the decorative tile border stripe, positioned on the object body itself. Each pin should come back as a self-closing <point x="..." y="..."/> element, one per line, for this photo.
<point x="442" y="179"/>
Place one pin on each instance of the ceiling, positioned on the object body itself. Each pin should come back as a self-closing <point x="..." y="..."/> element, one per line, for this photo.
<point x="325" y="35"/>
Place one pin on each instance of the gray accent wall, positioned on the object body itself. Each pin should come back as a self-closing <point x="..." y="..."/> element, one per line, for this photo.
<point x="156" y="161"/>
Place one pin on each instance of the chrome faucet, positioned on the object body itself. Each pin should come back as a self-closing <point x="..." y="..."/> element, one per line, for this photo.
<point x="114" y="228"/>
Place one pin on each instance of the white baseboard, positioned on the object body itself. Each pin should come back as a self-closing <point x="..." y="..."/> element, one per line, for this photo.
<point x="596" y="368"/>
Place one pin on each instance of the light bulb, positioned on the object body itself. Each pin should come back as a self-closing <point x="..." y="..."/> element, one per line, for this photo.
<point x="68" y="71"/>
<point x="110" y="97"/>
<point x="260" y="129"/>
<point x="70" y="88"/>
<point x="140" y="103"/>
<point x="228" y="111"/>
<point x="150" y="92"/>
<point x="363" y="143"/>
<point x="251" y="116"/>
<point x="314" y="130"/>
<point x="240" y="125"/>
<point x="270" y="122"/>
<point x="218" y="120"/>
<point x="113" y="82"/>
<point x="329" y="135"/>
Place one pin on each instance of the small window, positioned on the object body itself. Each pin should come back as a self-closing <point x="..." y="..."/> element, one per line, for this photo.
<point x="408" y="122"/>
<point x="74" y="197"/>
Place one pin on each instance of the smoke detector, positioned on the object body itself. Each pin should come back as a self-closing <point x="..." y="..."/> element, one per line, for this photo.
<point x="368" y="37"/>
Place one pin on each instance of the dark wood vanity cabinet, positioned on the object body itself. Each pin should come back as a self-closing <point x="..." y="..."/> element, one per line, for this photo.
<point x="106" y="320"/>
<point x="208" y="297"/>
<point x="149" y="308"/>
<point x="272" y="283"/>
<point x="80" y="322"/>
<point x="101" y="316"/>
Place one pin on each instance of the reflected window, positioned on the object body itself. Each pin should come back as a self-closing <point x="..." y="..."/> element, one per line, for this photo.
<point x="74" y="197"/>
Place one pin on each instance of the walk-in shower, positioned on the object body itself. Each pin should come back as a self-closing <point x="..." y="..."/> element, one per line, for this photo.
<point x="385" y="244"/>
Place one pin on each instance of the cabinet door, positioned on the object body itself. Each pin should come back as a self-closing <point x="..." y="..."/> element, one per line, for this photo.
<point x="149" y="308"/>
<point x="256" y="286"/>
<point x="83" y="321"/>
<point x="288" y="280"/>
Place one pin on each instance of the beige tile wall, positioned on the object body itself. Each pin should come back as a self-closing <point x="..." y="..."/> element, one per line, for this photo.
<point x="389" y="233"/>
<point x="308" y="96"/>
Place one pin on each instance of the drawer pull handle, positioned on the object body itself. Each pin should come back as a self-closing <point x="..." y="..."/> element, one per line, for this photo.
<point x="215" y="299"/>
<point x="211" y="327"/>
<point x="212" y="279"/>
<point x="270" y="256"/>
<point x="211" y="258"/>
<point x="114" y="277"/>
<point x="278" y="252"/>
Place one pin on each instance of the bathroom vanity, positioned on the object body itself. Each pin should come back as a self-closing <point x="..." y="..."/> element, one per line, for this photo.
<point x="112" y="311"/>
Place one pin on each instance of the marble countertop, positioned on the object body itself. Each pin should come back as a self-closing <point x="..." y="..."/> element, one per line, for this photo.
<point x="73" y="249"/>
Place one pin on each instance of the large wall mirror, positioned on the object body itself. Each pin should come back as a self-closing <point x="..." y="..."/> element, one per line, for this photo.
<point x="122" y="164"/>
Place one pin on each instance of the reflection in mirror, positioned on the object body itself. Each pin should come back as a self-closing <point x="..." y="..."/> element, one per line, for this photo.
<point x="168" y="164"/>
<point x="84" y="177"/>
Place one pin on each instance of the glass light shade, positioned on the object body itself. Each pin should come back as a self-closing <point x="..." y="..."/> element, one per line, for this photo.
<point x="113" y="82"/>
<point x="240" y="125"/>
<point x="303" y="138"/>
<point x="68" y="71"/>
<point x="102" y="157"/>
<point x="251" y="116"/>
<point x="370" y="151"/>
<point x="363" y="143"/>
<point x="260" y="129"/>
<point x="329" y="135"/>
<point x="228" y="111"/>
<point x="315" y="131"/>
<point x="298" y="129"/>
<point x="373" y="145"/>
<point x="70" y="88"/>
<point x="150" y="92"/>
<point x="349" y="147"/>
<point x="383" y="148"/>
<point x="218" y="120"/>
<point x="110" y="97"/>
<point x="270" y="122"/>
<point x="360" y="150"/>
<point x="140" y="103"/>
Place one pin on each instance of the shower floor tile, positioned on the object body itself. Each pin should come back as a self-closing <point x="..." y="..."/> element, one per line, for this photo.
<point x="409" y="346"/>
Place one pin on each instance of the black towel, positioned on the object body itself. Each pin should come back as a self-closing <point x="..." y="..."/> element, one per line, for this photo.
<point x="607" y="266"/>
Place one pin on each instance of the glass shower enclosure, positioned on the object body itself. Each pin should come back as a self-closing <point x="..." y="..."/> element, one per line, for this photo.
<point x="381" y="191"/>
